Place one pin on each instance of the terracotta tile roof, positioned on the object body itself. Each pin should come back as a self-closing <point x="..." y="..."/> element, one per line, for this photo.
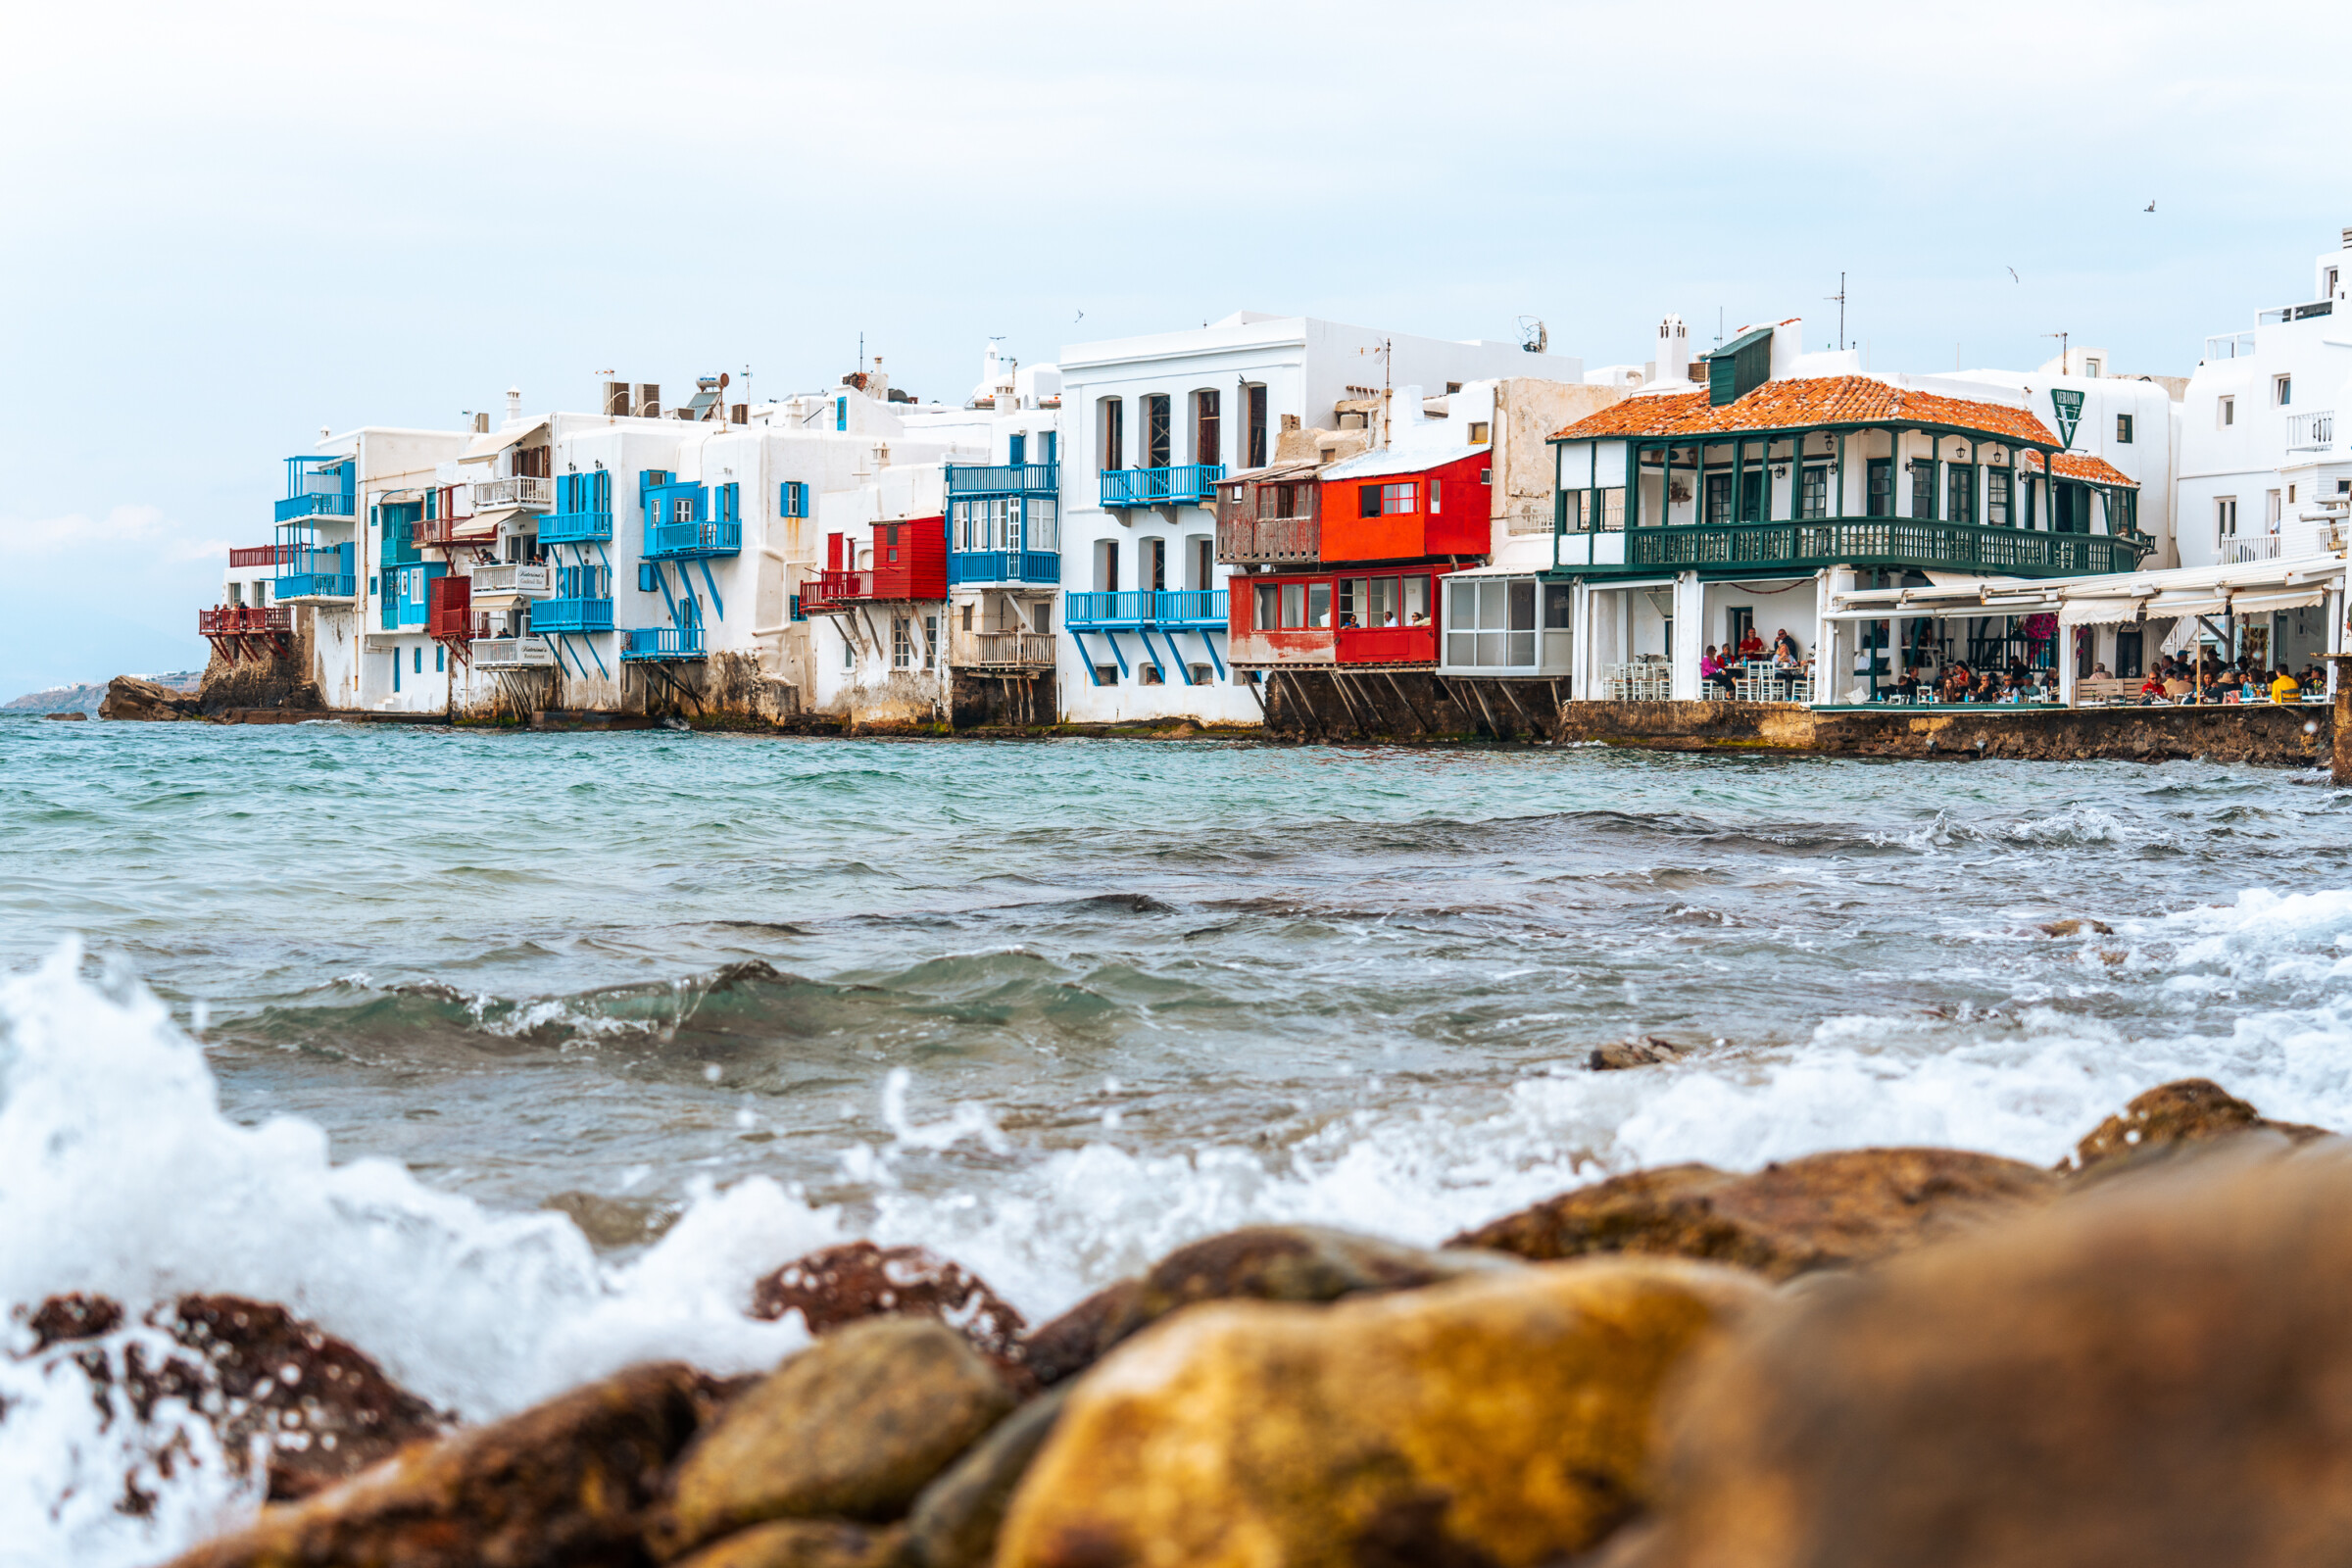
<point x="2075" y="466"/>
<point x="1810" y="403"/>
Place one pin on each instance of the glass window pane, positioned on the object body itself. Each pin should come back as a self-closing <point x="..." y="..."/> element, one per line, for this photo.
<point x="1523" y="607"/>
<point x="1380" y="608"/>
<point x="1267" y="614"/>
<point x="1416" y="601"/>
<point x="1491" y="608"/>
<point x="1461" y="647"/>
<point x="1461" y="608"/>
<point x="1318" y="605"/>
<point x="1294" y="604"/>
<point x="1490" y="648"/>
<point x="1523" y="649"/>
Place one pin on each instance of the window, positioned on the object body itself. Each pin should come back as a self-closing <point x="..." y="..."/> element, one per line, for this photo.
<point x="1813" y="496"/>
<point x="902" y="641"/>
<point x="930" y="640"/>
<point x="1041" y="617"/>
<point x="1206" y="437"/>
<point x="2225" y="517"/>
<point x="1052" y="442"/>
<point x="1478" y="433"/>
<point x="2270" y="511"/>
<point x="1960" y="495"/>
<point x="648" y="577"/>
<point x="1414" y="601"/>
<point x="2225" y="412"/>
<point x="1294" y="605"/>
<point x="849" y="648"/>
<point x="1016" y="449"/>
<point x="1385" y="500"/>
<point x="440" y="659"/>
<point x="793" y="499"/>
<point x="1106" y="565"/>
<point x="1155" y="565"/>
<point x="1279" y="500"/>
<point x="1158" y="439"/>
<point x="681" y="509"/>
<point x="2123" y="429"/>
<point x="1353" y="592"/>
<point x="1318" y="605"/>
<point x="840" y="413"/>
<point x="1996" y="497"/>
<point x="1269" y="606"/>
<point x="1112" y="435"/>
<point x="1042" y="523"/>
<point x="1491" y="623"/>
<point x="1879" y="500"/>
<point x="1257" y="398"/>
<point x="2283" y="390"/>
<point x="967" y="617"/>
<point x="2091" y="367"/>
<point x="1200" y="564"/>
<point x="1718" y="500"/>
<point x="1559" y="607"/>
<point x="2328" y="283"/>
<point x="1923" y="488"/>
<point x="1739" y="620"/>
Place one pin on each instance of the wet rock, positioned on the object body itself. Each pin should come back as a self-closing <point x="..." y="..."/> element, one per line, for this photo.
<point x="319" y="1408"/>
<point x="1263" y="1262"/>
<point x="129" y="696"/>
<point x="1501" y="1420"/>
<point x="1800" y="1214"/>
<point x="2189" y="1110"/>
<point x="2152" y="1374"/>
<point x="840" y="1285"/>
<point x="2075" y="927"/>
<point x="805" y="1543"/>
<point x="614" y="1222"/>
<point x="956" y="1521"/>
<point x="565" y="1482"/>
<point x="65" y="717"/>
<point x="1647" y="1052"/>
<point x="855" y="1427"/>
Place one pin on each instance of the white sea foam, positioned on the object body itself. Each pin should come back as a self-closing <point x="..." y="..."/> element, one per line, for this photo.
<point x="117" y="1174"/>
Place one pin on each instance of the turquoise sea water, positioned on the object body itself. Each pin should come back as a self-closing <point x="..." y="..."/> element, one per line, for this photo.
<point x="517" y="1057"/>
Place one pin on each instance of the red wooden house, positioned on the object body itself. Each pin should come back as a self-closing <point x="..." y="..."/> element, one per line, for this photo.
<point x="908" y="560"/>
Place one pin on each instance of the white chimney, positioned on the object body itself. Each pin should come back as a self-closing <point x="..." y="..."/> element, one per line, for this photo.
<point x="514" y="404"/>
<point x="1674" y="350"/>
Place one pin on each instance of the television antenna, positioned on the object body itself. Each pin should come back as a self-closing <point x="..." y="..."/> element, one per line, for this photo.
<point x="1839" y="297"/>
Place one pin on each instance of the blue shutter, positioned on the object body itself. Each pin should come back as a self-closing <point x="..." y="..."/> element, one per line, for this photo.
<point x="648" y="577"/>
<point x="1019" y="452"/>
<point x="1052" y="443"/>
<point x="841" y="413"/>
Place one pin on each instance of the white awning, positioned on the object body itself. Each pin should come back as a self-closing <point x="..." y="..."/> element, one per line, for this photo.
<point x="483" y="524"/>
<point x="490" y="446"/>
<point x="2254" y="587"/>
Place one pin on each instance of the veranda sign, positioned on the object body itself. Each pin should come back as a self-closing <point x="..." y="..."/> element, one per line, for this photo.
<point x="2069" y="408"/>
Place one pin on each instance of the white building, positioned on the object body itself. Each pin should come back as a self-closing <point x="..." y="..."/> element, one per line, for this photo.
<point x="2264" y="472"/>
<point x="1151" y="424"/>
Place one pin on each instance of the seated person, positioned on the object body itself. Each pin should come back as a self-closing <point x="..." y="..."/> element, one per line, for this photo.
<point x="1712" y="670"/>
<point x="2153" y="688"/>
<point x="2099" y="673"/>
<point x="2284" y="688"/>
<point x="1751" y="645"/>
<point x="1906" y="690"/>
<point x="1783" y="648"/>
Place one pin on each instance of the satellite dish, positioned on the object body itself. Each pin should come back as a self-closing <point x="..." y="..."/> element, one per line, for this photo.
<point x="1533" y="336"/>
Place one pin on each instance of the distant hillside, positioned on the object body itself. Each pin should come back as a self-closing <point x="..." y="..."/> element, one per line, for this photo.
<point x="85" y="699"/>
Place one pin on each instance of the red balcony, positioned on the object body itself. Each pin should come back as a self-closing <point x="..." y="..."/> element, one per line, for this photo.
<point x="1377" y="619"/>
<point x="260" y="556"/>
<point x="909" y="560"/>
<point x="449" y="614"/>
<point x="1406" y="515"/>
<point x="247" y="631"/>
<point x="829" y="593"/>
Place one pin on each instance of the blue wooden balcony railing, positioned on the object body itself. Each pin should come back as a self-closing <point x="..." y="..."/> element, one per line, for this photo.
<point x="1042" y="566"/>
<point x="1140" y="608"/>
<point x="575" y="528"/>
<point x="686" y="541"/>
<point x="1186" y="483"/>
<point x="573" y="614"/>
<point x="663" y="642"/>
<point x="1004" y="479"/>
<point x="333" y="504"/>
<point x="315" y="572"/>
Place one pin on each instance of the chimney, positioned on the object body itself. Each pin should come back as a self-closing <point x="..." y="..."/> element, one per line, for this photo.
<point x="1674" y="346"/>
<point x="514" y="404"/>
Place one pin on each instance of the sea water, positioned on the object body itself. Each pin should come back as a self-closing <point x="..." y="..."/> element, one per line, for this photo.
<point x="515" y="1058"/>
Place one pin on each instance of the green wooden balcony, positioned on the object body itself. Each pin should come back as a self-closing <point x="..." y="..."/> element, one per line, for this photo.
<point x="1808" y="545"/>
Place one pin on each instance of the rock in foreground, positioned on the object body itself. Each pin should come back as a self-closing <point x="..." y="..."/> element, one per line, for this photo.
<point x="858" y="1280"/>
<point x="1787" y="1218"/>
<point x="564" y="1485"/>
<point x="2152" y="1374"/>
<point x="854" y="1428"/>
<point x="129" y="696"/>
<point x="1263" y="1263"/>
<point x="1500" y="1420"/>
<point x="2191" y="1110"/>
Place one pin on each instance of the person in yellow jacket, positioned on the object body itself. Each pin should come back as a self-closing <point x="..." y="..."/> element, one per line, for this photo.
<point x="2284" y="688"/>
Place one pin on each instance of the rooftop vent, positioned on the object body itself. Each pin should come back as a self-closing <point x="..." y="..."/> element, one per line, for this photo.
<point x="1740" y="366"/>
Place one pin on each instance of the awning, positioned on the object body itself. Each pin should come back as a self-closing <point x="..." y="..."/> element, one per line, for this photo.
<point x="490" y="446"/>
<point x="483" y="524"/>
<point x="2254" y="587"/>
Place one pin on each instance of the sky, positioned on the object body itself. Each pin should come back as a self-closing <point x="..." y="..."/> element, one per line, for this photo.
<point x="230" y="225"/>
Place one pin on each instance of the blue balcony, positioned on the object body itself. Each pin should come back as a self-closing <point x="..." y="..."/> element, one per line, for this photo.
<point x="318" y="487"/>
<point x="314" y="571"/>
<point x="583" y="512"/>
<point x="1137" y="609"/>
<point x="338" y="503"/>
<point x="1004" y="479"/>
<point x="1186" y="484"/>
<point x="692" y="541"/>
<point x="572" y="614"/>
<point x="662" y="643"/>
<point x="990" y="566"/>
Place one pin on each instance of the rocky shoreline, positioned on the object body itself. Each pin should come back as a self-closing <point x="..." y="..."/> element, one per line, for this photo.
<point x="1864" y="1357"/>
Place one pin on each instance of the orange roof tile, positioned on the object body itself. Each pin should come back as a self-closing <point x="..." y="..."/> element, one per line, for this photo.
<point x="1810" y="403"/>
<point x="2078" y="466"/>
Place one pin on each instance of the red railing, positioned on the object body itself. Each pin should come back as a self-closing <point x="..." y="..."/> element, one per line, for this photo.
<point x="435" y="533"/>
<point x="244" y="620"/>
<point x="263" y="556"/>
<point x="831" y="589"/>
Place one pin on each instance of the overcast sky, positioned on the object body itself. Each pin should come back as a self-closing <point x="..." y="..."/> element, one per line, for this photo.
<point x="230" y="224"/>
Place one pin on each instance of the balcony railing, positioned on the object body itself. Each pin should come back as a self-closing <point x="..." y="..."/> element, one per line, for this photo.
<point x="1004" y="565"/>
<point x="1188" y="483"/>
<point x="312" y="571"/>
<point x="1138" y="608"/>
<point x="513" y="579"/>
<point x="512" y="652"/>
<point x="436" y="533"/>
<point x="575" y="528"/>
<point x="663" y="642"/>
<point x="2228" y="346"/>
<point x="1270" y="539"/>
<point x="1005" y="650"/>
<point x="1776" y="546"/>
<point x="2295" y="313"/>
<point x="2311" y="431"/>
<point x="2259" y="547"/>
<point x="573" y="614"/>
<point x="260" y="556"/>
<point x="830" y="591"/>
<point x="244" y="620"/>
<point x="1004" y="479"/>
<point x="331" y="503"/>
<point x="520" y="490"/>
<point x="680" y="541"/>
